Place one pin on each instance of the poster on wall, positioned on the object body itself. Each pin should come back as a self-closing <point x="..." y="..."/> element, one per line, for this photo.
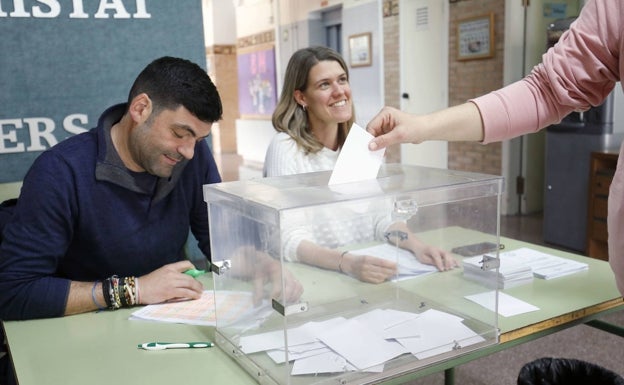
<point x="257" y="93"/>
<point x="64" y="62"/>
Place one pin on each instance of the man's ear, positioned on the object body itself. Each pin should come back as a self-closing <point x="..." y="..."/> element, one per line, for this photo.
<point x="140" y="108"/>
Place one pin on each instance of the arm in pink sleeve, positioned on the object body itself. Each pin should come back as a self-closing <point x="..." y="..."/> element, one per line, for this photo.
<point x="579" y="72"/>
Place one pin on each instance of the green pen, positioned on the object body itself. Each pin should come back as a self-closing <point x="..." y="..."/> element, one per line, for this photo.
<point x="194" y="272"/>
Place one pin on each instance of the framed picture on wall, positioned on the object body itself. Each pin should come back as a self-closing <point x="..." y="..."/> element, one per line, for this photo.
<point x="360" y="50"/>
<point x="257" y="90"/>
<point x="475" y="37"/>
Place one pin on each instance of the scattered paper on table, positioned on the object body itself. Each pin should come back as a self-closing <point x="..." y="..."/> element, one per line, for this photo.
<point x="298" y="352"/>
<point x="359" y="345"/>
<point x="364" y="342"/>
<point x="507" y="305"/>
<point x="327" y="362"/>
<point x="438" y="332"/>
<point x="356" y="162"/>
<point x="301" y="335"/>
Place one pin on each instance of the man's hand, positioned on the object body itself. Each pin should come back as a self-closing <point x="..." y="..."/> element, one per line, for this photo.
<point x="273" y="274"/>
<point x="168" y="283"/>
<point x="260" y="269"/>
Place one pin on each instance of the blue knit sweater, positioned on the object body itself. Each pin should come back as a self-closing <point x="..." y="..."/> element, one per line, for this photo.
<point x="83" y="216"/>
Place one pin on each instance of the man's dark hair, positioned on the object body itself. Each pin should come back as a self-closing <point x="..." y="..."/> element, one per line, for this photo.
<point x="173" y="82"/>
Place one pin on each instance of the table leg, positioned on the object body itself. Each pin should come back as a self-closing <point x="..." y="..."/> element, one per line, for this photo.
<point x="607" y="327"/>
<point x="449" y="376"/>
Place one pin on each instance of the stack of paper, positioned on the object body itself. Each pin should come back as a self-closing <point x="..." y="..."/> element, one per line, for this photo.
<point x="520" y="266"/>
<point x="510" y="273"/>
<point x="546" y="266"/>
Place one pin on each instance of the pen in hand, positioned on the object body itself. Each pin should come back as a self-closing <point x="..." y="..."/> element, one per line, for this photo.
<point x="194" y="272"/>
<point x="174" y="345"/>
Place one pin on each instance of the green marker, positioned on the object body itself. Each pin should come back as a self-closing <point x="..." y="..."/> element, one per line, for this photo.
<point x="174" y="345"/>
<point x="195" y="273"/>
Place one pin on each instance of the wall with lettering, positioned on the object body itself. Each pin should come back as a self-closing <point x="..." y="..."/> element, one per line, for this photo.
<point x="63" y="62"/>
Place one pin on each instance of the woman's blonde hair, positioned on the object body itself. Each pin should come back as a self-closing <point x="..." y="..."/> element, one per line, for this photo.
<point x="289" y="116"/>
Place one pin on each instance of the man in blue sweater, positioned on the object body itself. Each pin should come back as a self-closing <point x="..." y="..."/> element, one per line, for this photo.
<point x="103" y="216"/>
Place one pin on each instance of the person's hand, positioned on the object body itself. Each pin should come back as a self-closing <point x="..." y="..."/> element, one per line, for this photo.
<point x="439" y="258"/>
<point x="168" y="283"/>
<point x="259" y="268"/>
<point x="458" y="123"/>
<point x="389" y="127"/>
<point x="367" y="268"/>
<point x="274" y="275"/>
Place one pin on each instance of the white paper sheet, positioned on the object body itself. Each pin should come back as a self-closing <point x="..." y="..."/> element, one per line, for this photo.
<point x="438" y="333"/>
<point x="298" y="352"/>
<point x="507" y="305"/>
<point x="359" y="345"/>
<point x="379" y="320"/>
<point x="329" y="362"/>
<point x="356" y="162"/>
<point x="303" y="334"/>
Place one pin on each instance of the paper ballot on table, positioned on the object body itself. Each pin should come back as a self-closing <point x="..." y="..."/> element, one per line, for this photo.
<point x="356" y="162"/>
<point x="359" y="345"/>
<point x="508" y="306"/>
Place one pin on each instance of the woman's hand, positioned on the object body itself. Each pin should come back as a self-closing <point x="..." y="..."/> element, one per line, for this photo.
<point x="439" y="258"/>
<point x="367" y="268"/>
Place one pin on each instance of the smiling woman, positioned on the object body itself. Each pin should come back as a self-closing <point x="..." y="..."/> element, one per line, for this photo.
<point x="312" y="119"/>
<point x="313" y="115"/>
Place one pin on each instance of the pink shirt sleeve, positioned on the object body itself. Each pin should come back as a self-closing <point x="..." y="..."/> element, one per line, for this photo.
<point x="579" y="72"/>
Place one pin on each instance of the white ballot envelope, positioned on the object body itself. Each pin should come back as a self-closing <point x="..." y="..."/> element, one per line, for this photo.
<point x="356" y="162"/>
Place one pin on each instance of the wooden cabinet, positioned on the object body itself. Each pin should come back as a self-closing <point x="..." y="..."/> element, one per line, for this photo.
<point x="602" y="169"/>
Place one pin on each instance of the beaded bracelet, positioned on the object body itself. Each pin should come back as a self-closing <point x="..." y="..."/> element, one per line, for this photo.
<point x="115" y="299"/>
<point x="120" y="292"/>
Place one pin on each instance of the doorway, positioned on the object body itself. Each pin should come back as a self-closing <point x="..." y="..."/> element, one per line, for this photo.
<point x="423" y="45"/>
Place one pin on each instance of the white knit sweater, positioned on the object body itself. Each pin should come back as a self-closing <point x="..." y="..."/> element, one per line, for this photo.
<point x="336" y="228"/>
<point x="283" y="157"/>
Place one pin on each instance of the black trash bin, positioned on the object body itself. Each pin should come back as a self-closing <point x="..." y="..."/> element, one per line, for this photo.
<point x="560" y="371"/>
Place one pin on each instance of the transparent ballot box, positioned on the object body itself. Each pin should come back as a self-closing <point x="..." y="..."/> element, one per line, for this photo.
<point x="329" y="284"/>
